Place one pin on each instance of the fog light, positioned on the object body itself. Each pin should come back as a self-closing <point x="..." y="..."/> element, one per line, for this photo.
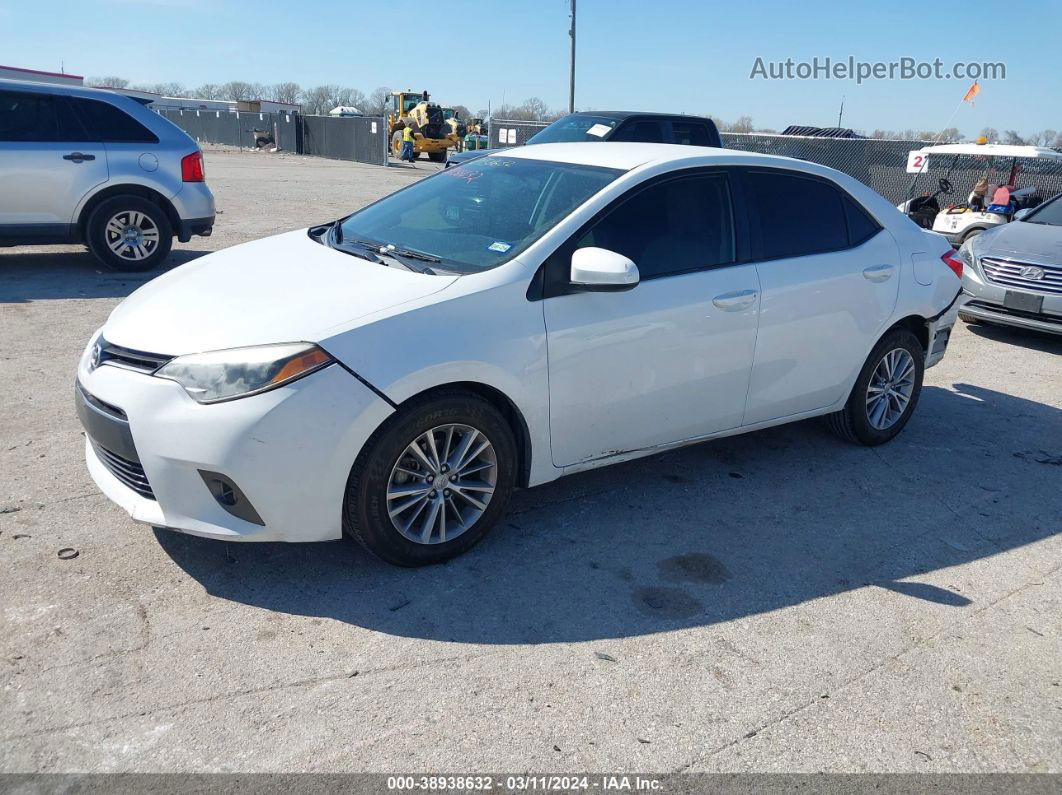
<point x="229" y="497"/>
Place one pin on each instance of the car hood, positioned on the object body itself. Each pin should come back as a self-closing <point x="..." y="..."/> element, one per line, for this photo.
<point x="1040" y="242"/>
<point x="285" y="288"/>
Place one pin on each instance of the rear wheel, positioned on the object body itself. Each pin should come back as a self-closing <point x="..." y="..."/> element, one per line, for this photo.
<point x="432" y="481"/>
<point x="437" y="157"/>
<point x="971" y="234"/>
<point x="885" y="393"/>
<point x="129" y="233"/>
<point x="396" y="144"/>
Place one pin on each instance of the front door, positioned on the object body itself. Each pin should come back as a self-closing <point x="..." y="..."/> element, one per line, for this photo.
<point x="46" y="163"/>
<point x="670" y="359"/>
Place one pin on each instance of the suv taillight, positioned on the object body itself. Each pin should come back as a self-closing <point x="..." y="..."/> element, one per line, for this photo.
<point x="192" y="168"/>
<point x="953" y="262"/>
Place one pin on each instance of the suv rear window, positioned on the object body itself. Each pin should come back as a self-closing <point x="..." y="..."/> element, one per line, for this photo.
<point x="36" y="117"/>
<point x="690" y="133"/>
<point x="110" y="124"/>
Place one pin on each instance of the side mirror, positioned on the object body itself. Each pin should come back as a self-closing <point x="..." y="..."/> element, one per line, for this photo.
<point x="1024" y="211"/>
<point x="601" y="270"/>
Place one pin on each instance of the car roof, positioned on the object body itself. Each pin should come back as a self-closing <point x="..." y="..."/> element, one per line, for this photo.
<point x="626" y="156"/>
<point x="626" y="114"/>
<point x="56" y="88"/>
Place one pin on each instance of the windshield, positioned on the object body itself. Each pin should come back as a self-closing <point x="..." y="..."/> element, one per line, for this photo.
<point x="1049" y="212"/>
<point x="573" y="129"/>
<point x="478" y="215"/>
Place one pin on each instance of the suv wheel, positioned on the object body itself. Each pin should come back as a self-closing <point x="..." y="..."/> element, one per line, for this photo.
<point x="128" y="233"/>
<point x="886" y="392"/>
<point x="431" y="482"/>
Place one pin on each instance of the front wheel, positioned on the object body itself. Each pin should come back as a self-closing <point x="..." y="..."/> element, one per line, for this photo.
<point x="885" y="393"/>
<point x="432" y="481"/>
<point x="129" y="233"/>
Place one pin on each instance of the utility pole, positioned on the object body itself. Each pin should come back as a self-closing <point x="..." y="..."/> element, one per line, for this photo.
<point x="571" y="78"/>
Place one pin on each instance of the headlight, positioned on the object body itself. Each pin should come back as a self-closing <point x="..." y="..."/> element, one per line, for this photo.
<point x="238" y="372"/>
<point x="966" y="253"/>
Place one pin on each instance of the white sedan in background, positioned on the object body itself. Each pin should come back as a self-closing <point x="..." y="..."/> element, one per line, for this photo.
<point x="530" y="314"/>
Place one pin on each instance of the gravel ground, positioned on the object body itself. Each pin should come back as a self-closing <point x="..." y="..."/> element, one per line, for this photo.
<point x="777" y="601"/>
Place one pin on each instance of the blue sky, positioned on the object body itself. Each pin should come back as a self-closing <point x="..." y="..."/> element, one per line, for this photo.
<point x="663" y="55"/>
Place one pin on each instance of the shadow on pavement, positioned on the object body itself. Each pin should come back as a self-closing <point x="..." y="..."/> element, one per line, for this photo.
<point x="46" y="273"/>
<point x="694" y="537"/>
<point x="1034" y="340"/>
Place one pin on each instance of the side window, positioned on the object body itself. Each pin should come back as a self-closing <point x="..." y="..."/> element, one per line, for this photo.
<point x="646" y="131"/>
<point x="110" y="124"/>
<point x="671" y="227"/>
<point x="36" y="117"/>
<point x="797" y="215"/>
<point x="861" y="227"/>
<point x="690" y="133"/>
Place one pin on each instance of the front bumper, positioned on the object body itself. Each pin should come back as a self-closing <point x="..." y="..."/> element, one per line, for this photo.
<point x="984" y="300"/>
<point x="289" y="451"/>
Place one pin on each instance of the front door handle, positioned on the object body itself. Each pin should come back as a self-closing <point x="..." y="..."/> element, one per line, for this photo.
<point x="78" y="157"/>
<point x="877" y="273"/>
<point x="735" y="302"/>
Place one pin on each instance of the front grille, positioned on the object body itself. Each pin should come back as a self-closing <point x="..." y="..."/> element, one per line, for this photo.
<point x="1007" y="273"/>
<point x="129" y="472"/>
<point x="140" y="361"/>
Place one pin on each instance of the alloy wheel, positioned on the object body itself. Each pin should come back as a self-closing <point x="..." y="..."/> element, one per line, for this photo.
<point x="131" y="235"/>
<point x="890" y="389"/>
<point x="442" y="483"/>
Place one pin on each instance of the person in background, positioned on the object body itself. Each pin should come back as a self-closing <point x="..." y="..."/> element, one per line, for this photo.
<point x="407" y="146"/>
<point x="976" y="199"/>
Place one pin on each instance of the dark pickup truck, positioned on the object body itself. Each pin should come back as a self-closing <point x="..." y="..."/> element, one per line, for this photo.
<point x="615" y="125"/>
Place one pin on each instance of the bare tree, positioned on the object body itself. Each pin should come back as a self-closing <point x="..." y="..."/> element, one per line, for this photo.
<point x="742" y="125"/>
<point x="378" y="101"/>
<point x="207" y="91"/>
<point x="315" y="101"/>
<point x="237" y="89"/>
<point x="108" y="82"/>
<point x="1012" y="137"/>
<point x="463" y="113"/>
<point x="284" y="92"/>
<point x="351" y="97"/>
<point x="990" y="133"/>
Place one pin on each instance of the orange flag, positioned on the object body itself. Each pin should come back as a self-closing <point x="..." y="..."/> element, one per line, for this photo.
<point x="975" y="89"/>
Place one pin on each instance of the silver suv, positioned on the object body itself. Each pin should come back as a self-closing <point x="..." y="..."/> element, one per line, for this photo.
<point x="82" y="165"/>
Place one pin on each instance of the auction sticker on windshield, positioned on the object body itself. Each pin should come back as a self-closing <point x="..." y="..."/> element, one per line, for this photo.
<point x="599" y="130"/>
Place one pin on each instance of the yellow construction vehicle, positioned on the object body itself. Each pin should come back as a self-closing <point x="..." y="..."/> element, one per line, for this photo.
<point x="432" y="132"/>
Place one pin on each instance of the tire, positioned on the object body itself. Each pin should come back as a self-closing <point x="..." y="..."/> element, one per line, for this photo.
<point x="970" y="320"/>
<point x="118" y="216"/>
<point x="437" y="157"/>
<point x="854" y="422"/>
<point x="386" y="466"/>
<point x="970" y="234"/>
<point x="396" y="144"/>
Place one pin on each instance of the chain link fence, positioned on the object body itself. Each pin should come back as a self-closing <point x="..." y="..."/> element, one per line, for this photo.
<point x="881" y="164"/>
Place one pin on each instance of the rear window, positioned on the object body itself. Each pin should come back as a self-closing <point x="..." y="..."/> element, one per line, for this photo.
<point x="111" y="124"/>
<point x="690" y="133"/>
<point x="798" y="216"/>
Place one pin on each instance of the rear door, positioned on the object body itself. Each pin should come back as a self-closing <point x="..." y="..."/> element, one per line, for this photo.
<point x="829" y="275"/>
<point x="47" y="163"/>
<point x="131" y="147"/>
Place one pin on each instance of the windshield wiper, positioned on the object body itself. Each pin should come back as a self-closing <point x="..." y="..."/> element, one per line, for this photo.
<point x="403" y="254"/>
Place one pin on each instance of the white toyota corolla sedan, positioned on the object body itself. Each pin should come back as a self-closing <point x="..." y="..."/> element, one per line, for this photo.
<point x="533" y="313"/>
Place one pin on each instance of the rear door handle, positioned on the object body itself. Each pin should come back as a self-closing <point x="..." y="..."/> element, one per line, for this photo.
<point x="78" y="157"/>
<point x="877" y="273"/>
<point x="735" y="302"/>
